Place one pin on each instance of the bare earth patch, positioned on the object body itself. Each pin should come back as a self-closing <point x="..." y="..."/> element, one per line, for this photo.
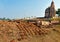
<point x="20" y="31"/>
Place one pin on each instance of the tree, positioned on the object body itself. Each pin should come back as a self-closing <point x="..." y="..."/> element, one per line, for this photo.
<point x="58" y="12"/>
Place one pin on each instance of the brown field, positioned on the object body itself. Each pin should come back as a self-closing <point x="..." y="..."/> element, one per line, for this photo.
<point x="52" y="36"/>
<point x="20" y="31"/>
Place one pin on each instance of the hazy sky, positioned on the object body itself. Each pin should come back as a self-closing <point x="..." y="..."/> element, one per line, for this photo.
<point x="25" y="8"/>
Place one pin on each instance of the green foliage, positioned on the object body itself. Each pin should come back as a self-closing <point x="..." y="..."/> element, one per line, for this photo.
<point x="58" y="12"/>
<point x="55" y="19"/>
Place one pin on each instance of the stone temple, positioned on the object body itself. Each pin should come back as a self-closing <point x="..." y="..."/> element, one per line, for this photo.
<point x="50" y="11"/>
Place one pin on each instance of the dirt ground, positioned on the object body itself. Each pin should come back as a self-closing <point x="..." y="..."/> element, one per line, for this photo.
<point x="20" y="31"/>
<point x="52" y="36"/>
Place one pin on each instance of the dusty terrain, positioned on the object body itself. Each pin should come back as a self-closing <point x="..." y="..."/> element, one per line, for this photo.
<point x="20" y="31"/>
<point x="52" y="36"/>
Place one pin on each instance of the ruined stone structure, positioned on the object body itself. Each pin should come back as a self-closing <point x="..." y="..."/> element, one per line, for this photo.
<point x="50" y="11"/>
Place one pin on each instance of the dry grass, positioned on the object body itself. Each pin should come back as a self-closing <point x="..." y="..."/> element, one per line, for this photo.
<point x="52" y="36"/>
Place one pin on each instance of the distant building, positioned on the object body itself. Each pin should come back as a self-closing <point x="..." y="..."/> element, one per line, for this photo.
<point x="50" y="11"/>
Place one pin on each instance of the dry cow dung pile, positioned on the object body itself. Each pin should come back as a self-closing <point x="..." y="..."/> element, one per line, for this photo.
<point x="18" y="30"/>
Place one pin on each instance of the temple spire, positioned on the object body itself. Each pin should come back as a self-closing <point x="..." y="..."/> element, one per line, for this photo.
<point x="50" y="11"/>
<point x="52" y="1"/>
<point x="52" y="4"/>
